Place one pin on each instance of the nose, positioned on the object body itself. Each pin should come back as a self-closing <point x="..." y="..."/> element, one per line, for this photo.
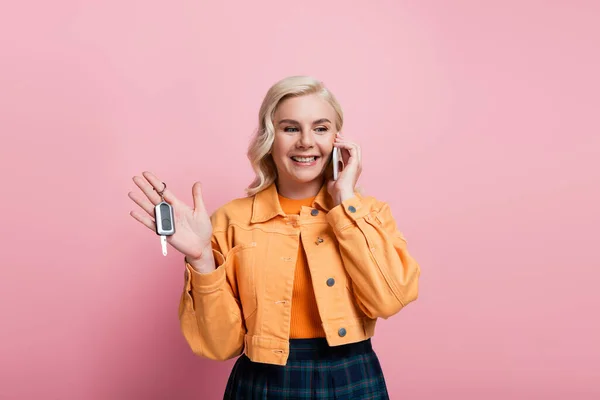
<point x="307" y="139"/>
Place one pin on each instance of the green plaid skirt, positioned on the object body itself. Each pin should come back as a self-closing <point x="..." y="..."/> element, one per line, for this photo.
<point x="314" y="371"/>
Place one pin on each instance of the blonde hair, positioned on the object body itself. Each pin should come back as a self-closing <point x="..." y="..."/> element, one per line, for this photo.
<point x="259" y="150"/>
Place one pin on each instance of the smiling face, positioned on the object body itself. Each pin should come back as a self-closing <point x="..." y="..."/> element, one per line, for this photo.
<point x="304" y="134"/>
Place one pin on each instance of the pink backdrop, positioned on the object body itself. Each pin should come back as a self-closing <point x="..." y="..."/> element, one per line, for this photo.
<point x="479" y="124"/>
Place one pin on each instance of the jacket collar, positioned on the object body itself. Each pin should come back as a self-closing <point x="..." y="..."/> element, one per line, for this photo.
<point x="266" y="203"/>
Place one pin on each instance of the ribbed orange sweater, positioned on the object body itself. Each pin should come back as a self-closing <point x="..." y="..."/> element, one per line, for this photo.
<point x="306" y="322"/>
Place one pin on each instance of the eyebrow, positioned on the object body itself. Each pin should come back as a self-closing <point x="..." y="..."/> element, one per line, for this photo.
<point x="291" y="121"/>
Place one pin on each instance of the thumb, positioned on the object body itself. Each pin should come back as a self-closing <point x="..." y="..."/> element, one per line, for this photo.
<point x="197" y="195"/>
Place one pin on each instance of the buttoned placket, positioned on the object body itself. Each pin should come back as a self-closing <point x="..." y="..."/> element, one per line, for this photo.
<point x="329" y="281"/>
<point x="293" y="221"/>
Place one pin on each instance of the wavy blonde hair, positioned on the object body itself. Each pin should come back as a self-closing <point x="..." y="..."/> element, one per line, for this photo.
<point x="259" y="150"/>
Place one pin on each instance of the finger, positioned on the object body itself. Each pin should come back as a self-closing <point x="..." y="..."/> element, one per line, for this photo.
<point x="144" y="219"/>
<point x="148" y="189"/>
<point x="351" y="148"/>
<point x="342" y="140"/>
<point x="348" y="143"/>
<point x="352" y="154"/>
<point x="197" y="195"/>
<point x="142" y="202"/>
<point x="159" y="185"/>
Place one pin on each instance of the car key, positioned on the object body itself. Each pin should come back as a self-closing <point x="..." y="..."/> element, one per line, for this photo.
<point x="165" y="222"/>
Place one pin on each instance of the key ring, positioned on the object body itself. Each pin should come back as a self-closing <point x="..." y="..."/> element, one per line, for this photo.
<point x="162" y="191"/>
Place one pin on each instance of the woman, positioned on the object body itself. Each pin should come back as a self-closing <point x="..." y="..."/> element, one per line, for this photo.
<point x="294" y="276"/>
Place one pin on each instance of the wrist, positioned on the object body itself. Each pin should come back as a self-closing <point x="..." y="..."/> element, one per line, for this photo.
<point x="204" y="263"/>
<point x="343" y="196"/>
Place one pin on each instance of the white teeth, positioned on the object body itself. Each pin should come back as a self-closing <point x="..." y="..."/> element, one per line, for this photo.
<point x="304" y="159"/>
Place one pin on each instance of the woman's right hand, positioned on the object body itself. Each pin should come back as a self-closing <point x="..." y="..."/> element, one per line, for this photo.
<point x="193" y="229"/>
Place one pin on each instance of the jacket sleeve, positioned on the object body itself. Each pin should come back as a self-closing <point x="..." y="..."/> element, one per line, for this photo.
<point x="209" y="311"/>
<point x="384" y="275"/>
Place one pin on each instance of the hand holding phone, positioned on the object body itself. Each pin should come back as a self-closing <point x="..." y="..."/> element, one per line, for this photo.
<point x="337" y="160"/>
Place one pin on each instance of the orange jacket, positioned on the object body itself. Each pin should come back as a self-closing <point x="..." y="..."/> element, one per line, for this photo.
<point x="358" y="260"/>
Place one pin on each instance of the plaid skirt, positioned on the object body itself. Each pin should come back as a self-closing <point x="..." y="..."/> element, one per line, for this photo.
<point x="314" y="370"/>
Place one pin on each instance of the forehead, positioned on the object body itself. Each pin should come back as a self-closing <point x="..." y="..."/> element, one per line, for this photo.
<point x="305" y="108"/>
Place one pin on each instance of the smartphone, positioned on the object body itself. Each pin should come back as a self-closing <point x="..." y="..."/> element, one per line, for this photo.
<point x="337" y="159"/>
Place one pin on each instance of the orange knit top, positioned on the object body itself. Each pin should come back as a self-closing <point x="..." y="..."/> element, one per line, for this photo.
<point x="306" y="322"/>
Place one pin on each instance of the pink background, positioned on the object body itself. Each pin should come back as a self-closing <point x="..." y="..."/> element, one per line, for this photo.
<point x="479" y="123"/>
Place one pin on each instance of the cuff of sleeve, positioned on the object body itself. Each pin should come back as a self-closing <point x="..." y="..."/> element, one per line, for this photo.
<point x="206" y="283"/>
<point x="347" y="213"/>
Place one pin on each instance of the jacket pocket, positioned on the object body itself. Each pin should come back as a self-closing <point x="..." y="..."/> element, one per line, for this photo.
<point x="243" y="257"/>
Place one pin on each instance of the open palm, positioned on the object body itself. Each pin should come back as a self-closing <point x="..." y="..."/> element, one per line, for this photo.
<point x="193" y="229"/>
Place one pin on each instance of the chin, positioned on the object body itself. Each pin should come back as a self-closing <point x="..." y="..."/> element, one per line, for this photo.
<point x="307" y="178"/>
<point x="299" y="176"/>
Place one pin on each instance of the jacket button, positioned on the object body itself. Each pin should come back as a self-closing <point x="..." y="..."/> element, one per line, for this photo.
<point x="342" y="332"/>
<point x="352" y="209"/>
<point x="314" y="212"/>
<point x="330" y="282"/>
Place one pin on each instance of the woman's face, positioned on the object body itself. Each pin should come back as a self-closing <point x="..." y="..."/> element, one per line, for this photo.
<point x="304" y="135"/>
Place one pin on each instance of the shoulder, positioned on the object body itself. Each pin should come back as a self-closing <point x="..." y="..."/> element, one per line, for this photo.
<point x="236" y="209"/>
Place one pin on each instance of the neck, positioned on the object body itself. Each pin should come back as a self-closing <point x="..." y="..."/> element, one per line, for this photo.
<point x="296" y="191"/>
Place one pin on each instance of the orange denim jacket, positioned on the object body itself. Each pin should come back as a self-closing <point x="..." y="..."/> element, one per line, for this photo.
<point x="358" y="260"/>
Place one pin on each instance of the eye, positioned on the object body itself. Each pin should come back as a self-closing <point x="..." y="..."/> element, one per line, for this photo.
<point x="321" y="129"/>
<point x="290" y="129"/>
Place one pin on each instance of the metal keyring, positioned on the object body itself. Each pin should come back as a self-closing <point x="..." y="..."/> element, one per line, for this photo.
<point x="162" y="191"/>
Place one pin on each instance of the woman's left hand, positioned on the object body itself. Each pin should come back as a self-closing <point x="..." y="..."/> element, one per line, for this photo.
<point x="343" y="188"/>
